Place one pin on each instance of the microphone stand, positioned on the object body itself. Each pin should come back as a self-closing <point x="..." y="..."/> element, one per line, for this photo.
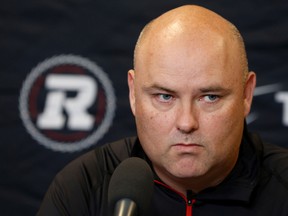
<point x="125" y="207"/>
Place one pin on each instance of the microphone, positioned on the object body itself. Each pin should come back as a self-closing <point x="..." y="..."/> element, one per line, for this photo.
<point x="131" y="188"/>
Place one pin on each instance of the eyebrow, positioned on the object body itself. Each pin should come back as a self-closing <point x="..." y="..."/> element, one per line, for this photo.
<point x="157" y="87"/>
<point x="214" y="89"/>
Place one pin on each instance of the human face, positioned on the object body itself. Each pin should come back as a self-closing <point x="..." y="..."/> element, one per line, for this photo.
<point x="189" y="103"/>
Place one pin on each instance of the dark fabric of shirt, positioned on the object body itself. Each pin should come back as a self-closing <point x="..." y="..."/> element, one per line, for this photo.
<point x="258" y="184"/>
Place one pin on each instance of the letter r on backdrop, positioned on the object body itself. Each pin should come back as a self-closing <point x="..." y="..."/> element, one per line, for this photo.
<point x="76" y="107"/>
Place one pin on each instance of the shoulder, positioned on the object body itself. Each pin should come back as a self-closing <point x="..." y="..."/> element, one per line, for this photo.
<point x="275" y="160"/>
<point x="273" y="157"/>
<point x="98" y="162"/>
<point x="85" y="180"/>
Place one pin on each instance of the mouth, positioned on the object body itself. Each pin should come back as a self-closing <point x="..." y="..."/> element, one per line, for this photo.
<point x="187" y="147"/>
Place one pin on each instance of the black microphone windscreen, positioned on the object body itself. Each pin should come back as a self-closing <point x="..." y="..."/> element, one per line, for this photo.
<point x="132" y="179"/>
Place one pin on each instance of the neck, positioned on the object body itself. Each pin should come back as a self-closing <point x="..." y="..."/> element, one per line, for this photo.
<point x="195" y="183"/>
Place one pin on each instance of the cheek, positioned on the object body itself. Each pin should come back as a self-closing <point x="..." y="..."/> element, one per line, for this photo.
<point x="151" y="122"/>
<point x="229" y="115"/>
<point x="153" y="128"/>
<point x="150" y="118"/>
<point x="225" y="131"/>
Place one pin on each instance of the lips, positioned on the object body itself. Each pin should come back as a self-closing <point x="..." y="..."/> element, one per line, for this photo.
<point x="187" y="147"/>
<point x="187" y="144"/>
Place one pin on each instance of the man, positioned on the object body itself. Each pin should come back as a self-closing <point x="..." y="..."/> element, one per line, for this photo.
<point x="190" y="92"/>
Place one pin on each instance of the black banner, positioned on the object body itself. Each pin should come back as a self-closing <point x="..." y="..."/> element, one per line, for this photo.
<point x="74" y="56"/>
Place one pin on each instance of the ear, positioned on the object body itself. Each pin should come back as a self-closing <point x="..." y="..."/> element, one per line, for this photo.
<point x="249" y="91"/>
<point x="131" y="79"/>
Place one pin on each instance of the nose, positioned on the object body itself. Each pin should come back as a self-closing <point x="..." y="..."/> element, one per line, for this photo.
<point x="187" y="119"/>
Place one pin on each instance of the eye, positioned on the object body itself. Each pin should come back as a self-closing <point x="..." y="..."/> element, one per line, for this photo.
<point x="164" y="97"/>
<point x="211" y="98"/>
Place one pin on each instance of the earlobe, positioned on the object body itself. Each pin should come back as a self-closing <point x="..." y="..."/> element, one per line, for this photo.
<point x="249" y="91"/>
<point x="131" y="79"/>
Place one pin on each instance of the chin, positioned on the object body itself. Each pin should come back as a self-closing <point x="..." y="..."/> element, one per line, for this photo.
<point x="187" y="173"/>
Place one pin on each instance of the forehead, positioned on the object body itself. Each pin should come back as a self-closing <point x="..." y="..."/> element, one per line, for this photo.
<point x="189" y="60"/>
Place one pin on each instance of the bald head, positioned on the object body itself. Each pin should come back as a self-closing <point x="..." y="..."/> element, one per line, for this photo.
<point x="186" y="88"/>
<point x="192" y="25"/>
